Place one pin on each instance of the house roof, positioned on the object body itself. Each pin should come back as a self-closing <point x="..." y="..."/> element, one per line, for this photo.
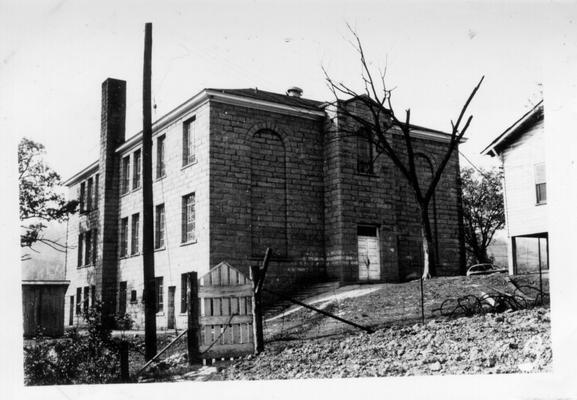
<point x="258" y="94"/>
<point x="513" y="132"/>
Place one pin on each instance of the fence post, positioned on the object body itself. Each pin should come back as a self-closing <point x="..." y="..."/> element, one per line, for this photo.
<point x="257" y="310"/>
<point x="123" y="349"/>
<point x="193" y="313"/>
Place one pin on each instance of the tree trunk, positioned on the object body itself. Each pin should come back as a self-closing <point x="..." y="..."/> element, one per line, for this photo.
<point x="429" y="268"/>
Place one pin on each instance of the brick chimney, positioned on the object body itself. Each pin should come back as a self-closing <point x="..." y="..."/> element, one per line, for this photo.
<point x="112" y="134"/>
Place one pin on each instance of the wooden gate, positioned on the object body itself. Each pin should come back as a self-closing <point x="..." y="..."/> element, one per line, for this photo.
<point x="226" y="318"/>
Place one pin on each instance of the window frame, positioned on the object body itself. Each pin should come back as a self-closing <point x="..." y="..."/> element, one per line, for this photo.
<point x="136" y="169"/>
<point x="159" y="293"/>
<point x="188" y="221"/>
<point x="159" y="227"/>
<point x="80" y="258"/>
<point x="365" y="161"/>
<point x="135" y="234"/>
<point x="88" y="248"/>
<point x="160" y="157"/>
<point x="82" y="197"/>
<point x="188" y="141"/>
<point x="123" y="237"/>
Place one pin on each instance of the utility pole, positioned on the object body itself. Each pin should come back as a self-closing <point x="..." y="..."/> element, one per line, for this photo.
<point x="147" y="206"/>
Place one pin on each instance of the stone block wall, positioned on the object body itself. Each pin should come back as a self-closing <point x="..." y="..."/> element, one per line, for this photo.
<point x="266" y="188"/>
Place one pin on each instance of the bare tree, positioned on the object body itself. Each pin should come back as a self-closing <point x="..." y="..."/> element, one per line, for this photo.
<point x="378" y="124"/>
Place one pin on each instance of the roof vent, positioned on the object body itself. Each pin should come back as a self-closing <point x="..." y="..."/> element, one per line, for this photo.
<point x="294" y="92"/>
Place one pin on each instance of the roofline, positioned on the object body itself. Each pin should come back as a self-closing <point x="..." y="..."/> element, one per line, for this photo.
<point x="44" y="282"/>
<point x="89" y="170"/>
<point x="417" y="131"/>
<point x="206" y="95"/>
<point x="491" y="149"/>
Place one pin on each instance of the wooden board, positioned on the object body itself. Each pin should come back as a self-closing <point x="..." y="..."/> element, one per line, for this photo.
<point x="226" y="297"/>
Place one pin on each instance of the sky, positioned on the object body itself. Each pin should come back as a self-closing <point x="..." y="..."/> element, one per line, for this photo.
<point x="57" y="53"/>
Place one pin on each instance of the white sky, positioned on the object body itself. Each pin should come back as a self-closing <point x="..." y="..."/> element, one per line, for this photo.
<point x="57" y="53"/>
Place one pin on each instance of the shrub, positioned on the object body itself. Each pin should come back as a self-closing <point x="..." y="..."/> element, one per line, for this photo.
<point x="89" y="356"/>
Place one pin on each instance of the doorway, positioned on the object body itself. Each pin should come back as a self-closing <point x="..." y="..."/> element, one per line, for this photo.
<point x="170" y="315"/>
<point x="368" y="253"/>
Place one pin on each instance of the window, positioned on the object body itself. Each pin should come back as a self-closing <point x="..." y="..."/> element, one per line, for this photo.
<point x="188" y="136"/>
<point x="135" y="232"/>
<point x="88" y="247"/>
<point x="188" y="218"/>
<point x="124" y="237"/>
<point x="364" y="153"/>
<point x="96" y="190"/>
<point x="89" y="194"/>
<point x="80" y="245"/>
<point x="94" y="245"/>
<point x="540" y="184"/>
<point x="85" y="300"/>
<point x="160" y="167"/>
<point x="78" y="301"/>
<point x="183" y="288"/>
<point x="125" y="177"/>
<point x="133" y="295"/>
<point x="82" y="197"/>
<point x="158" y="287"/>
<point x="136" y="169"/>
<point x="159" y="227"/>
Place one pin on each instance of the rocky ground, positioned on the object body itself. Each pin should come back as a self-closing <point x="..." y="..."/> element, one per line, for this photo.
<point x="303" y="344"/>
<point x="509" y="342"/>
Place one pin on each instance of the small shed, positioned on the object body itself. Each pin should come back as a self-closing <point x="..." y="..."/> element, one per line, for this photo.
<point x="43" y="306"/>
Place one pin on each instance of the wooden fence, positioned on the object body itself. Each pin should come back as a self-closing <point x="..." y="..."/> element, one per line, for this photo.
<point x="226" y="299"/>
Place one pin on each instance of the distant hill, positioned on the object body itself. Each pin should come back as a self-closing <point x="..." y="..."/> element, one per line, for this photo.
<point x="46" y="263"/>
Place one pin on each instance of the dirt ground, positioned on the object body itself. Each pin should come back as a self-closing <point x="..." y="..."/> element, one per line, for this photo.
<point x="300" y="343"/>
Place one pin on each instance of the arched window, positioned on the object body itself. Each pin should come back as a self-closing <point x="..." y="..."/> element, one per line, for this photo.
<point x="364" y="152"/>
<point x="268" y="193"/>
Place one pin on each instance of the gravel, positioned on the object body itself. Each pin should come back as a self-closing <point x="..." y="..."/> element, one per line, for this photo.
<point x="510" y="342"/>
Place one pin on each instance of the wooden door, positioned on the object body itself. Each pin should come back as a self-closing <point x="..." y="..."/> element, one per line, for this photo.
<point x="121" y="298"/>
<point x="170" y="314"/>
<point x="369" y="255"/>
<point x="71" y="311"/>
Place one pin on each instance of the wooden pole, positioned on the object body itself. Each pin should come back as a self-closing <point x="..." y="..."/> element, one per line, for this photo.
<point x="257" y="310"/>
<point x="124" y="375"/>
<point x="192" y="306"/>
<point x="147" y="200"/>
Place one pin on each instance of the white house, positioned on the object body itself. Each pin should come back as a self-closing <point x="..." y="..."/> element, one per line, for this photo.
<point x="521" y="149"/>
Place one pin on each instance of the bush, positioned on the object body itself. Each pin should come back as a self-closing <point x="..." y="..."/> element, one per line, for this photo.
<point x="79" y="357"/>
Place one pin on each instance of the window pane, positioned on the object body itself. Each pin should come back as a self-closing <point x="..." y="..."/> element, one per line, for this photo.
<point x="188" y="218"/>
<point x="135" y="233"/>
<point x="159" y="297"/>
<point x="136" y="170"/>
<point x="159" y="228"/>
<point x="124" y="237"/>
<point x="364" y="153"/>
<point x="124" y="181"/>
<point x="160" y="167"/>
<point x="80" y="245"/>
<point x="188" y="138"/>
<point x="89" y="195"/>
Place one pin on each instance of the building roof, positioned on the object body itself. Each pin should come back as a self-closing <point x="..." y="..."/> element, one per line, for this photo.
<point x="258" y="98"/>
<point x="513" y="132"/>
<point x="258" y="94"/>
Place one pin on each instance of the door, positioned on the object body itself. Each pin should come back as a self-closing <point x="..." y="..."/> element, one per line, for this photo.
<point x="171" y="320"/>
<point x="121" y="299"/>
<point x="369" y="254"/>
<point x="71" y="311"/>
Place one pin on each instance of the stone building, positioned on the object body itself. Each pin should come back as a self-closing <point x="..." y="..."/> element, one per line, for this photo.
<point x="239" y="170"/>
